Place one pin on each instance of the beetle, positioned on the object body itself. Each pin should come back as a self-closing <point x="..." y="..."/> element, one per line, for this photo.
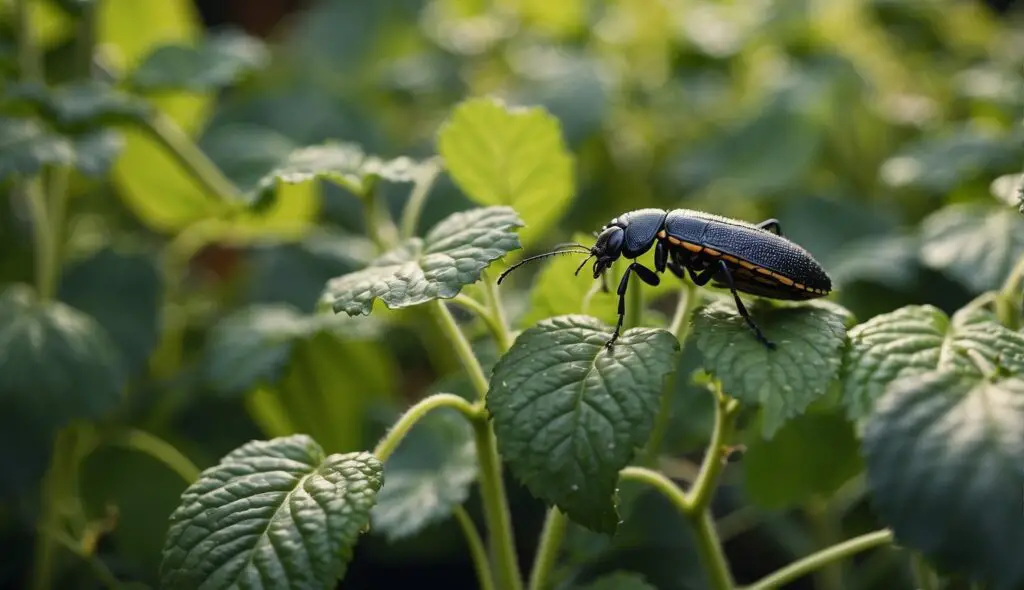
<point x="756" y="259"/>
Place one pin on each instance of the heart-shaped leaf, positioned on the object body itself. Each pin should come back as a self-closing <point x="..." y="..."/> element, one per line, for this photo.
<point x="451" y="256"/>
<point x="569" y="413"/>
<point x="945" y="460"/>
<point x="809" y="341"/>
<point x="975" y="244"/>
<point x="271" y="514"/>
<point x="916" y="339"/>
<point x="429" y="474"/>
<point x="56" y="363"/>
<point x="500" y="155"/>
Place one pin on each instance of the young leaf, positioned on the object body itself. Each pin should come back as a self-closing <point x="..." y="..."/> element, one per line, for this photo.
<point x="26" y="146"/>
<point x="810" y="456"/>
<point x="914" y="340"/>
<point x="344" y="164"/>
<point x="275" y="513"/>
<point x="254" y="344"/>
<point x="220" y="61"/>
<point x="809" y="340"/>
<point x="945" y="464"/>
<point x="509" y="156"/>
<point x="56" y="363"/>
<point x="569" y="413"/>
<point x="451" y="256"/>
<point x="429" y="474"/>
<point x="619" y="581"/>
<point x="974" y="244"/>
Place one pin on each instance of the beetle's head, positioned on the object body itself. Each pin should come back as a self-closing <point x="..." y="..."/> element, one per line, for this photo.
<point x="607" y="249"/>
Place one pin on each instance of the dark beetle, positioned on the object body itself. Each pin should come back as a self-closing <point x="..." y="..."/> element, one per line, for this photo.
<point x="740" y="256"/>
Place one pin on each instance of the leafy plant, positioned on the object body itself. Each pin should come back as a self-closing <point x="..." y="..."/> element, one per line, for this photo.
<point x="262" y="291"/>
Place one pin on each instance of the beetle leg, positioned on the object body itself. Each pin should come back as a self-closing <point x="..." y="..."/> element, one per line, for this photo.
<point x="646" y="275"/>
<point x="676" y="269"/>
<point x="705" y="275"/>
<point x="727" y="274"/>
<point x="771" y="225"/>
<point x="660" y="256"/>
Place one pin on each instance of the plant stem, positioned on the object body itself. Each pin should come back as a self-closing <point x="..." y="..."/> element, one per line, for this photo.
<point x="547" y="551"/>
<point x="493" y="299"/>
<point x="462" y="348"/>
<point x="185" y="151"/>
<point x="41" y="235"/>
<point x="418" y="198"/>
<point x="493" y="324"/>
<point x="476" y="548"/>
<point x="28" y="52"/>
<point x="660" y="482"/>
<point x="818" y="560"/>
<point x="394" y="437"/>
<point x="85" y="39"/>
<point x="824" y="530"/>
<point x="159" y="449"/>
<point x="492" y="494"/>
<point x="688" y="301"/>
<point x="701" y="493"/>
<point x="1008" y="298"/>
<point x="710" y="549"/>
<point x="923" y="574"/>
<point x="100" y="569"/>
<point x="58" y="485"/>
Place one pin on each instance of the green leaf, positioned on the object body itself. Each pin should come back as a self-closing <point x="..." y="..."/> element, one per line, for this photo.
<point x="79" y="105"/>
<point x="276" y="514"/>
<point x="809" y="340"/>
<point x="218" y="62"/>
<point x="810" y="456"/>
<point x="451" y="256"/>
<point x="558" y="291"/>
<point x="569" y="413"/>
<point x="945" y="463"/>
<point x="26" y="146"/>
<point x="619" y="581"/>
<point x="509" y="156"/>
<point x="917" y="339"/>
<point x="123" y="291"/>
<point x="429" y="474"/>
<point x="975" y="244"/>
<point x="246" y="153"/>
<point x="56" y="363"/>
<point x="940" y="164"/>
<point x="344" y="164"/>
<point x="253" y="345"/>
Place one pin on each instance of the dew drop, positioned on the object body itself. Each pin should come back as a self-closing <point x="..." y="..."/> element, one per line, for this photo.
<point x="575" y="487"/>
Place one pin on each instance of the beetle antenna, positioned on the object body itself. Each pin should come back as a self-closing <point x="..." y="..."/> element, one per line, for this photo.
<point x="580" y="267"/>
<point x="578" y="250"/>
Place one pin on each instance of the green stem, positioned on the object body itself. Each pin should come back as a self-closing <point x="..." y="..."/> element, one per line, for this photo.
<point x="923" y="574"/>
<point x="28" y="52"/>
<point x="476" y="548"/>
<point x="710" y="549"/>
<point x="159" y="449"/>
<point x="826" y="533"/>
<point x="379" y="225"/>
<point x="822" y="558"/>
<point x="42" y="238"/>
<point x="188" y="154"/>
<point x="701" y="493"/>
<point x="99" y="569"/>
<point x="85" y="39"/>
<point x="418" y="198"/>
<point x="462" y="348"/>
<point x="1008" y="299"/>
<point x="493" y="298"/>
<point x="394" y="437"/>
<point x="493" y="497"/>
<point x="58" y="485"/>
<point x="660" y="482"/>
<point x="493" y="324"/>
<point x="547" y="551"/>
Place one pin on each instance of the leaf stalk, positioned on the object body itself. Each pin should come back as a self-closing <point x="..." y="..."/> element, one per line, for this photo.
<point x="394" y="437"/>
<point x="547" y="551"/>
<point x="822" y="558"/>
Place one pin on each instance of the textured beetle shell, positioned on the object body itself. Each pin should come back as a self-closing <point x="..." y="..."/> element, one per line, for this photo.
<point x="747" y="242"/>
<point x="642" y="227"/>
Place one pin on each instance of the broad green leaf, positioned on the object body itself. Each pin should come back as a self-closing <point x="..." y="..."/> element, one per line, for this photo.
<point x="619" y="581"/>
<point x="889" y="260"/>
<point x="153" y="184"/>
<point x="216" y="63"/>
<point x="123" y="291"/>
<point x="509" y="156"/>
<point x="56" y="363"/>
<point x="811" y="456"/>
<point x="271" y="514"/>
<point x="940" y="164"/>
<point x="917" y="339"/>
<point x="26" y="146"/>
<point x="429" y="474"/>
<point x="809" y="343"/>
<point x="569" y="413"/>
<point x="945" y="464"/>
<point x="438" y="266"/>
<point x="558" y="291"/>
<point x="975" y="244"/>
<point x="344" y="164"/>
<point x="79" y="105"/>
<point x="253" y="345"/>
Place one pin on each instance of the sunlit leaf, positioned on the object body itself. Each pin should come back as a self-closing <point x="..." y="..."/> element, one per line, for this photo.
<point x="303" y="514"/>
<point x="975" y="244"/>
<point x="569" y="412"/>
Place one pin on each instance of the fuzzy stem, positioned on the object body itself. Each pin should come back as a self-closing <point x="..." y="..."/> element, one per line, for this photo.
<point x="462" y="348"/>
<point x="159" y="449"/>
<point x="547" y="551"/>
<point x="496" y="512"/>
<point x="703" y="488"/>
<point x="418" y="198"/>
<point x="394" y="437"/>
<point x="476" y="548"/>
<point x="494" y="326"/>
<point x="178" y="144"/>
<point x="822" y="558"/>
<point x="710" y="549"/>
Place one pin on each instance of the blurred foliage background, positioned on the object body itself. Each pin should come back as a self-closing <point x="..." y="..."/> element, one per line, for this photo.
<point x="872" y="129"/>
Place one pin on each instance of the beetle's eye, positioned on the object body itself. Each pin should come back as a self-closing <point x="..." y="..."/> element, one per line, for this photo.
<point x="615" y="240"/>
